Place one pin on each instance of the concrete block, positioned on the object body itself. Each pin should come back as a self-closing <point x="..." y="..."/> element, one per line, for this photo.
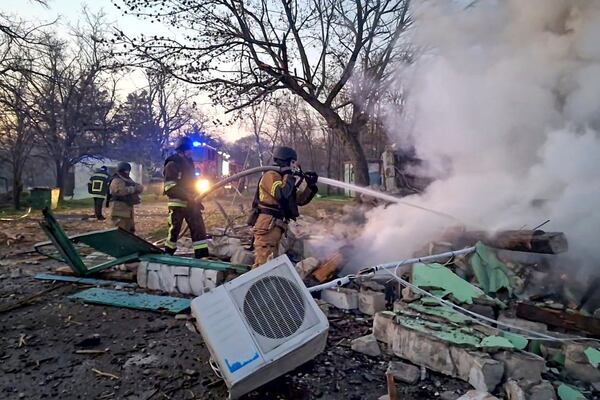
<point x="342" y="298"/>
<point x="513" y="391"/>
<point x="383" y="326"/>
<point x="372" y="286"/>
<point x="404" y="372"/>
<point x="582" y="371"/>
<point x="477" y="395"/>
<point x="366" y="345"/>
<point x="197" y="280"/>
<point x="479" y="369"/>
<point x="166" y="276"/>
<point x="242" y="256"/>
<point x="542" y="391"/>
<point x="223" y="246"/>
<point x="525" y="368"/>
<point x="522" y="323"/>
<point x="370" y="302"/>
<point x="307" y="266"/>
<point x="212" y="279"/>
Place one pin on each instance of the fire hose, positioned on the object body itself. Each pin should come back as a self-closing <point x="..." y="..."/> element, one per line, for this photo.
<point x="236" y="177"/>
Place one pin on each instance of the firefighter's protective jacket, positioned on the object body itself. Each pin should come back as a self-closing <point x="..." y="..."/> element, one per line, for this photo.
<point x="179" y="180"/>
<point x="124" y="194"/>
<point x="279" y="196"/>
<point x="98" y="184"/>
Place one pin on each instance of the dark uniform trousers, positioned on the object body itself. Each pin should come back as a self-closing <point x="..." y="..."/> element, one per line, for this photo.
<point x="193" y="217"/>
<point x="98" y="204"/>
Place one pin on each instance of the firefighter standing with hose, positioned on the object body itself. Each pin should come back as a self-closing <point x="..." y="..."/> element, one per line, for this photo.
<point x="179" y="186"/>
<point x="276" y="202"/>
<point x="98" y="187"/>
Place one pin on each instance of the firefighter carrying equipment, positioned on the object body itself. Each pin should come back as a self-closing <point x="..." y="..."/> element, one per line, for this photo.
<point x="98" y="184"/>
<point x="180" y="189"/>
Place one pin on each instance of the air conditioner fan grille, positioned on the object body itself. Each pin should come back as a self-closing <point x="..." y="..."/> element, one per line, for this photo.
<point x="274" y="307"/>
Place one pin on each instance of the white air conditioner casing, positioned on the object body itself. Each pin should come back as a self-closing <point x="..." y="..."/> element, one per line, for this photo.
<point x="260" y="325"/>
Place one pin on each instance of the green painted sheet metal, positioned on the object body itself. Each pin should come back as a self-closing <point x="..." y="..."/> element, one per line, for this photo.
<point x="451" y="334"/>
<point x="491" y="273"/>
<point x="496" y="342"/>
<point x="559" y="358"/>
<point x="57" y="236"/>
<point x="566" y="392"/>
<point x="437" y="276"/>
<point x="593" y="356"/>
<point x="138" y="301"/>
<point x="116" y="243"/>
<point x="194" y="263"/>
<point x="444" y="312"/>
<point x="84" y="281"/>
<point x="518" y="341"/>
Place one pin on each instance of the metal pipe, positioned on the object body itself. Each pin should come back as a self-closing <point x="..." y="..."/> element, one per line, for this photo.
<point x="372" y="270"/>
<point x="237" y="176"/>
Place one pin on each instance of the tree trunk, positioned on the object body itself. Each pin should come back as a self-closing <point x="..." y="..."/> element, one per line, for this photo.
<point x="17" y="189"/>
<point x="61" y="174"/>
<point x="358" y="159"/>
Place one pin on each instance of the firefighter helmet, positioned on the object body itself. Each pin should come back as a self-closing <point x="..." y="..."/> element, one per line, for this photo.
<point x="184" y="143"/>
<point x="124" y="167"/>
<point x="284" y="154"/>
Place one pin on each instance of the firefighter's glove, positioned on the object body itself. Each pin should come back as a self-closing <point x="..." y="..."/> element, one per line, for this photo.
<point x="286" y="171"/>
<point x="311" y="178"/>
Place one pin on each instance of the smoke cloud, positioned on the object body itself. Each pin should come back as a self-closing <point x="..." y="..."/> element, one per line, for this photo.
<point x="504" y="108"/>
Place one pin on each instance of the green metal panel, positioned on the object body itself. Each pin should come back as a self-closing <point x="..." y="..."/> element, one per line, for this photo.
<point x="137" y="301"/>
<point x="56" y="234"/>
<point x="116" y="242"/>
<point x="84" y="281"/>
<point x="194" y="263"/>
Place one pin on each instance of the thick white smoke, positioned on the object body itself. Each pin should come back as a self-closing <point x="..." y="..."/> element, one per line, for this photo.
<point x="509" y="91"/>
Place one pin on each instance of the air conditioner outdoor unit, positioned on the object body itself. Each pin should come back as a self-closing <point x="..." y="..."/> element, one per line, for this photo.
<point x="260" y="325"/>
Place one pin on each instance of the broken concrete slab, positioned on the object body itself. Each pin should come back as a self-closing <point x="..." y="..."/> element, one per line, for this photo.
<point x="523" y="367"/>
<point x="383" y="326"/>
<point x="307" y="266"/>
<point x="342" y="298"/>
<point x="404" y="372"/>
<point x="477" y="368"/>
<point x="542" y="391"/>
<point x="477" y="395"/>
<point x="370" y="302"/>
<point x="366" y="345"/>
<point x="514" y="391"/>
<point x="223" y="247"/>
<point x="242" y="256"/>
<point x="577" y="363"/>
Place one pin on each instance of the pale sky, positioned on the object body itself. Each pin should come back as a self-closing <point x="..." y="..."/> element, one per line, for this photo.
<point x="69" y="11"/>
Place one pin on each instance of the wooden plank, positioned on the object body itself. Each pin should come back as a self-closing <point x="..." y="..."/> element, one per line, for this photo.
<point x="573" y="321"/>
<point x="329" y="268"/>
<point x="523" y="240"/>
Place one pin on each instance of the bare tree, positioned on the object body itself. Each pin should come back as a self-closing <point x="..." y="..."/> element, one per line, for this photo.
<point x="76" y="97"/>
<point x="154" y="114"/>
<point x="334" y="54"/>
<point x="16" y="134"/>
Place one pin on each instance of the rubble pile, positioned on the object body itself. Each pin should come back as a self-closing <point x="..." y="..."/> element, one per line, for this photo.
<point x="506" y="323"/>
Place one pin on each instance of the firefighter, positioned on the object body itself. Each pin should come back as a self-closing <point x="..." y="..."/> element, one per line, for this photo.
<point x="98" y="187"/>
<point x="180" y="188"/>
<point x="276" y="202"/>
<point x="124" y="194"/>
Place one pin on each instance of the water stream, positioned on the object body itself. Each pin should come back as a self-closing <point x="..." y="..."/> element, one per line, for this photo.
<point x="380" y="195"/>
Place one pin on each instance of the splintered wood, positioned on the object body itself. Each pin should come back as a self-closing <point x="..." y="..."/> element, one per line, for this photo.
<point x="329" y="268"/>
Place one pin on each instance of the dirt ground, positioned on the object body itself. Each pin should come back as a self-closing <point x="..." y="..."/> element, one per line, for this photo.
<point x="45" y="345"/>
